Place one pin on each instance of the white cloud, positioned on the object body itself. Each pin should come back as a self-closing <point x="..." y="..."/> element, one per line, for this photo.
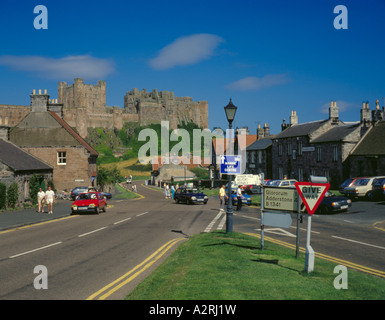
<point x="69" y="67"/>
<point x="255" y="84"/>
<point x="186" y="50"/>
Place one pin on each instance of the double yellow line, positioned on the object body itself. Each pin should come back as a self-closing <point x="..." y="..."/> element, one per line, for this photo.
<point x="133" y="273"/>
<point x="347" y="264"/>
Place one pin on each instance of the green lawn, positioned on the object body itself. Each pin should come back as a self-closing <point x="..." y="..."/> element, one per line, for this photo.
<point x="220" y="266"/>
<point x="124" y="193"/>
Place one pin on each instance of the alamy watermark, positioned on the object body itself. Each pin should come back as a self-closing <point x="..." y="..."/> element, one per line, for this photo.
<point x="341" y="281"/>
<point x="40" y="21"/>
<point x="181" y="152"/>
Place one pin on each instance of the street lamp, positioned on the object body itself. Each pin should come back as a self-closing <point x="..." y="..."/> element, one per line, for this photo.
<point x="230" y="110"/>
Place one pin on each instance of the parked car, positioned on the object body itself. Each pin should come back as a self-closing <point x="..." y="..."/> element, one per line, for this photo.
<point x="332" y="203"/>
<point x="78" y="190"/>
<point x="346" y="183"/>
<point x="246" y="200"/>
<point x="89" y="202"/>
<point x="360" y="188"/>
<point x="190" y="196"/>
<point x="378" y="190"/>
<point x="283" y="183"/>
<point x="251" y="188"/>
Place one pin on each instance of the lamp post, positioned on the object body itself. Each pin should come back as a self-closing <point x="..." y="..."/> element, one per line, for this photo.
<point x="230" y="110"/>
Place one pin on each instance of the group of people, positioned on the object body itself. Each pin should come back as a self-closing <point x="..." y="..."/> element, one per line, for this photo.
<point x="47" y="197"/>
<point x="169" y="190"/>
<point x="223" y="196"/>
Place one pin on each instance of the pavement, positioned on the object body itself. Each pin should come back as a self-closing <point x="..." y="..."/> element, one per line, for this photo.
<point x="21" y="217"/>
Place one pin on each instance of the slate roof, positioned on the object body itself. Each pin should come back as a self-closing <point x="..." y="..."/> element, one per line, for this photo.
<point x="373" y="142"/>
<point x="302" y="129"/>
<point x="74" y="133"/>
<point x="337" y="133"/>
<point x="20" y="160"/>
<point x="261" y="144"/>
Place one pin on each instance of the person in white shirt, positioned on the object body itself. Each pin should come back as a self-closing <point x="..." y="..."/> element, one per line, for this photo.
<point x="50" y="199"/>
<point x="239" y="198"/>
<point x="40" y="200"/>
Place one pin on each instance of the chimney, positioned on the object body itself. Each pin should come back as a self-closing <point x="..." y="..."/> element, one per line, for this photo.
<point x="377" y="114"/>
<point x="39" y="102"/>
<point x="366" y="117"/>
<point x="266" y="130"/>
<point x="293" y="118"/>
<point x="333" y="112"/>
<point x="260" y="133"/>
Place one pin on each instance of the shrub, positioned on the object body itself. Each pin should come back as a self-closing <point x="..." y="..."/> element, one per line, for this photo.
<point x="3" y="195"/>
<point x="12" y="195"/>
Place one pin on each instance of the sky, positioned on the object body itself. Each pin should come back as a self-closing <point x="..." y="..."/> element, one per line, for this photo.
<point x="269" y="57"/>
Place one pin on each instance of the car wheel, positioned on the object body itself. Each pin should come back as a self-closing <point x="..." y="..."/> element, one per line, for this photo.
<point x="188" y="201"/>
<point x="177" y="200"/>
<point x="97" y="211"/>
<point x="105" y="208"/>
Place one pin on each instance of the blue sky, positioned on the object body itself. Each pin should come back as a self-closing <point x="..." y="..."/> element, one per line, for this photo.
<point x="270" y="57"/>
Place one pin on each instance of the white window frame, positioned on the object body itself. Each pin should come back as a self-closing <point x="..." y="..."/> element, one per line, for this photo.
<point x="61" y="158"/>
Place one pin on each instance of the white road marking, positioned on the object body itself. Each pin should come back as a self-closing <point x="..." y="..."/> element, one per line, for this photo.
<point x="359" y="242"/>
<point x="208" y="228"/>
<point x="37" y="249"/>
<point x="120" y="221"/>
<point x="141" y="214"/>
<point x="87" y="233"/>
<point x="222" y="223"/>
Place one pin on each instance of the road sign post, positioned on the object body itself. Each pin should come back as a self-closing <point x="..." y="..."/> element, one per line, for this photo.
<point x="311" y="195"/>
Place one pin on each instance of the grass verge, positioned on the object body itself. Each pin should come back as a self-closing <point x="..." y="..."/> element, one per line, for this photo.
<point x="123" y="193"/>
<point x="220" y="266"/>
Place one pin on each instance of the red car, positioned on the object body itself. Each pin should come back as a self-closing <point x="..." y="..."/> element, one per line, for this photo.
<point x="89" y="202"/>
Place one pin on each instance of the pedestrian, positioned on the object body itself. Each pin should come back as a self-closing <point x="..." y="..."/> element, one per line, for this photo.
<point x="166" y="190"/>
<point x="40" y="200"/>
<point x="222" y="196"/>
<point x="172" y="192"/>
<point x="239" y="198"/>
<point x="50" y="199"/>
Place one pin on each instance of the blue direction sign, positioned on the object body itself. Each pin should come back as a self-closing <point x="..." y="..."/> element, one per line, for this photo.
<point x="231" y="164"/>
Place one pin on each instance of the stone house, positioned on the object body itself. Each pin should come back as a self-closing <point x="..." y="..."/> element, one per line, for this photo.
<point x="17" y="165"/>
<point x="259" y="159"/>
<point x="368" y="157"/>
<point x="317" y="148"/>
<point x="45" y="135"/>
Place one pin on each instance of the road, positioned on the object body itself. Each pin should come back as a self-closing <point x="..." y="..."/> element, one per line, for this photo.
<point x="105" y="256"/>
<point x="86" y="253"/>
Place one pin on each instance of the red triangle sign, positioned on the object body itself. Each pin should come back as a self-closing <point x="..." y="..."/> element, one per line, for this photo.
<point x="311" y="194"/>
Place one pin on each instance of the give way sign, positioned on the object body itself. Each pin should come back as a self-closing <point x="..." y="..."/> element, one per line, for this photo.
<point x="311" y="194"/>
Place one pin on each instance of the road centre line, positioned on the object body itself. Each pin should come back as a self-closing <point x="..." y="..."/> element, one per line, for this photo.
<point x="34" y="250"/>
<point x="359" y="242"/>
<point x="120" y="221"/>
<point x="87" y="233"/>
<point x="141" y="214"/>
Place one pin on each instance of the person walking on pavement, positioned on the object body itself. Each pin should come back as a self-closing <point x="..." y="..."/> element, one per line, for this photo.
<point x="239" y="198"/>
<point x="50" y="199"/>
<point x="40" y="200"/>
<point x="222" y="196"/>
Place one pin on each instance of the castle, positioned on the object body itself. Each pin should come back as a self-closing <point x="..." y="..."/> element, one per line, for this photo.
<point x="84" y="105"/>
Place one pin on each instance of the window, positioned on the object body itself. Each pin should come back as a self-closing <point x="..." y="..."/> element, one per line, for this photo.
<point x="300" y="174"/>
<point x="289" y="149"/>
<point x="259" y="156"/>
<point x="280" y="149"/>
<point x="62" y="158"/>
<point x="300" y="148"/>
<point x="335" y="154"/>
<point x="319" y="154"/>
